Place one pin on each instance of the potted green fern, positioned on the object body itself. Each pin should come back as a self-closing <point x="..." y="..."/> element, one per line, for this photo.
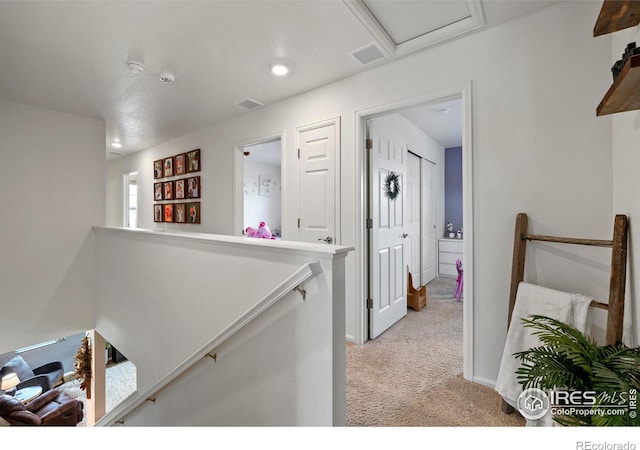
<point x="569" y="360"/>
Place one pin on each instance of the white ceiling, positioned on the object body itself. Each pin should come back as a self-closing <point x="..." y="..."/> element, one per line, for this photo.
<point x="71" y="56"/>
<point x="268" y="153"/>
<point x="441" y="121"/>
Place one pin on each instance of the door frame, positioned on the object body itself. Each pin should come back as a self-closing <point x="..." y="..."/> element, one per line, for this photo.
<point x="463" y="92"/>
<point x="238" y="180"/>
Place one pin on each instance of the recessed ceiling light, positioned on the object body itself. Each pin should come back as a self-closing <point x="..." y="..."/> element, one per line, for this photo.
<point x="279" y="69"/>
<point x="116" y="144"/>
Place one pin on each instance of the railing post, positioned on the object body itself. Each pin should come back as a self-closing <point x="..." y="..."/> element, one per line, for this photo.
<point x="96" y="405"/>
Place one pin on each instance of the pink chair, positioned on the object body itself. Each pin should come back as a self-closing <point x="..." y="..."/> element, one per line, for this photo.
<point x="457" y="293"/>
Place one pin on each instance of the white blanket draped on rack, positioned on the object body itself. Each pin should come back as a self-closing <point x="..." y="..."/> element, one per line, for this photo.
<point x="570" y="308"/>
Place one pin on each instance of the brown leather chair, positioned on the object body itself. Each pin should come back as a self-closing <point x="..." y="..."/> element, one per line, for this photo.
<point x="51" y="408"/>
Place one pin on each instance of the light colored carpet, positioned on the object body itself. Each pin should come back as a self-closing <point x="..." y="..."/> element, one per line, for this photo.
<point x="411" y="374"/>
<point x="120" y="382"/>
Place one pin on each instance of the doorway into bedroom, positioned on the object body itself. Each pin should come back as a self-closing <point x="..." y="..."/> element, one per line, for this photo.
<point x="414" y="195"/>
<point x="262" y="189"/>
<point x="416" y="356"/>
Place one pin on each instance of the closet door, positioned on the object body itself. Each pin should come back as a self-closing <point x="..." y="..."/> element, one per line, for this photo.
<point x="413" y="194"/>
<point x="429" y="241"/>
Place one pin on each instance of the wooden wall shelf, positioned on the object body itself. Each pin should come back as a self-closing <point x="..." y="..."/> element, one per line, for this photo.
<point x="624" y="93"/>
<point x="617" y="15"/>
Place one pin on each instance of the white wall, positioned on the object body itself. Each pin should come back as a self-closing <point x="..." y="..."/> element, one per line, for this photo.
<point x="537" y="144"/>
<point x="626" y="182"/>
<point x="162" y="297"/>
<point x="53" y="178"/>
<point x="259" y="208"/>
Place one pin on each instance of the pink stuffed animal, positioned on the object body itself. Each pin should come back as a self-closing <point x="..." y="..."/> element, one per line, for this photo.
<point x="261" y="232"/>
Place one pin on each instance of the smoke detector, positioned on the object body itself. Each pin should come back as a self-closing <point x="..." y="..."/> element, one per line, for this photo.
<point x="135" y="67"/>
<point x="167" y="77"/>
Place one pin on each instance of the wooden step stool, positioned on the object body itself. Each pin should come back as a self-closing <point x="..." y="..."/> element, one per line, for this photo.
<point x="416" y="298"/>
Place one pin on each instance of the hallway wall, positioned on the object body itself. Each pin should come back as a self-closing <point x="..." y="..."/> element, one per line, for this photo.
<point x="537" y="148"/>
<point x="53" y="174"/>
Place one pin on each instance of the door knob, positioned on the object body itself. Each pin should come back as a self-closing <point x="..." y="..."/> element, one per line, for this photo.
<point x="404" y="235"/>
<point x="328" y="240"/>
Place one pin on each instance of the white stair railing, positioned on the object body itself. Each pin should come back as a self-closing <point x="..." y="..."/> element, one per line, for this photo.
<point x="292" y="283"/>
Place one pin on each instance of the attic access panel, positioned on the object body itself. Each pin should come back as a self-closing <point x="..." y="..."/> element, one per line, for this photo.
<point x="407" y="20"/>
<point x="403" y="26"/>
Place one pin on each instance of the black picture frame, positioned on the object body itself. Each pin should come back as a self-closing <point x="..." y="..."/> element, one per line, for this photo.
<point x="193" y="161"/>
<point x="158" y="171"/>
<point x="180" y="212"/>
<point x="157" y="212"/>
<point x="167" y="165"/>
<point x="180" y="164"/>
<point x="180" y="189"/>
<point x="158" y="191"/>
<point x="194" y="187"/>
<point x="193" y="212"/>
<point x="167" y="212"/>
<point x="168" y="190"/>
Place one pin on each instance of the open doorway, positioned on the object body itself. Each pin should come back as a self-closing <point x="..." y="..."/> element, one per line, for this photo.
<point x="362" y="306"/>
<point x="407" y="203"/>
<point x="131" y="200"/>
<point x="262" y="187"/>
<point x="402" y="336"/>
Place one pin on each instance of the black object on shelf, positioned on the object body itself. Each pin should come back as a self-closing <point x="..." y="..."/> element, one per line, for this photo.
<point x="629" y="51"/>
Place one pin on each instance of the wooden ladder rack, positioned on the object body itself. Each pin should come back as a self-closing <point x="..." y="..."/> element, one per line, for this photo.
<point x="618" y="245"/>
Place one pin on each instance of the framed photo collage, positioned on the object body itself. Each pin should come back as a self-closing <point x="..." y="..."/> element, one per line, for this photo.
<point x="178" y="188"/>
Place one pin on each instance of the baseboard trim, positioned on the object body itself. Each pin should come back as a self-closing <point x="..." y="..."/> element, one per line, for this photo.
<point x="488" y="382"/>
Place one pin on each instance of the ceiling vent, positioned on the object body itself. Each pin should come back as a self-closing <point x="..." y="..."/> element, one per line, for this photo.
<point x="368" y="54"/>
<point x="250" y="104"/>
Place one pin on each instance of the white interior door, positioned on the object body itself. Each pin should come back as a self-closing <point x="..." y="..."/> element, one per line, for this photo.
<point x="414" y="248"/>
<point x="428" y="172"/>
<point x="317" y="183"/>
<point x="387" y="235"/>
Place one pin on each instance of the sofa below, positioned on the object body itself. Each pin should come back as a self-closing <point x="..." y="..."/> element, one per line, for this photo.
<point x="53" y="408"/>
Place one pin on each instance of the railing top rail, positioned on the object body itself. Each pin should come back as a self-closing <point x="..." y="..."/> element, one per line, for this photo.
<point x="271" y="245"/>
